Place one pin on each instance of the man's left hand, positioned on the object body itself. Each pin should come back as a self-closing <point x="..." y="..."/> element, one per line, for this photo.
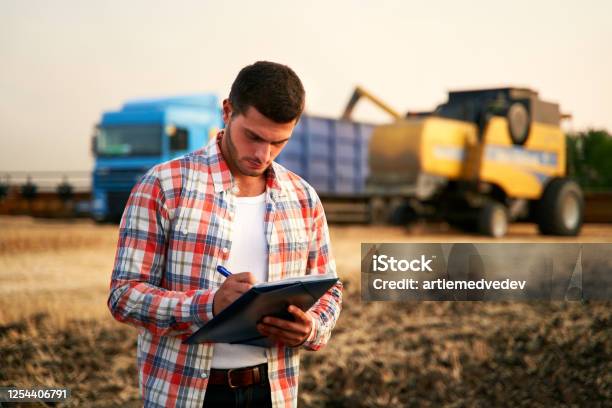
<point x="290" y="333"/>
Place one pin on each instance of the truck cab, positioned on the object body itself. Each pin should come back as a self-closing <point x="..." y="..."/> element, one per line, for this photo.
<point x="144" y="132"/>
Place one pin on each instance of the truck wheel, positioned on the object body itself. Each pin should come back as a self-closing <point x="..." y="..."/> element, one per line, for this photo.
<point x="518" y="123"/>
<point x="493" y="220"/>
<point x="561" y="208"/>
<point x="378" y="211"/>
<point x="403" y="214"/>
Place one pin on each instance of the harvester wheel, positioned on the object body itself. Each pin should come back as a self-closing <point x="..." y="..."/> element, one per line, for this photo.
<point x="493" y="220"/>
<point x="561" y="208"/>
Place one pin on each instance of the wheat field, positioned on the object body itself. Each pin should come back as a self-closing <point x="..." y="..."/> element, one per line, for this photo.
<point x="55" y="330"/>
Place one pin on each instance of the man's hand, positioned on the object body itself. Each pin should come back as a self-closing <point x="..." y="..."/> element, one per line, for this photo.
<point x="231" y="289"/>
<point x="290" y="333"/>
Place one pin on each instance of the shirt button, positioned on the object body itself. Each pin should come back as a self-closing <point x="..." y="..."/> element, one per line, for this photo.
<point x="235" y="189"/>
<point x="224" y="250"/>
<point x="204" y="375"/>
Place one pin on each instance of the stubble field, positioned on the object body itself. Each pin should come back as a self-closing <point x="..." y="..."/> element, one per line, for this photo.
<point x="55" y="330"/>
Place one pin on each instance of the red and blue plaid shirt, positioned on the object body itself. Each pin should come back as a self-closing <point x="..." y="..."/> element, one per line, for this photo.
<point x="175" y="230"/>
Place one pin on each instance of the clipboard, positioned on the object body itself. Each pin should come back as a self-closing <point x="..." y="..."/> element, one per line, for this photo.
<point x="236" y="324"/>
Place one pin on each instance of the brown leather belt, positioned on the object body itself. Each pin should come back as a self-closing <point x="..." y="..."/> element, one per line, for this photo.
<point x="239" y="377"/>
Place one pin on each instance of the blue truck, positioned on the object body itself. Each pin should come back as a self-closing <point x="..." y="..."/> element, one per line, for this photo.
<point x="331" y="154"/>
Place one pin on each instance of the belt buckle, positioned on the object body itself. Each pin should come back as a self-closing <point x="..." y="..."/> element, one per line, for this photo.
<point x="229" y="378"/>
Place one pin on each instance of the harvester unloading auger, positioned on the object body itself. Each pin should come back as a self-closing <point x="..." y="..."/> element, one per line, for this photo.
<point x="480" y="160"/>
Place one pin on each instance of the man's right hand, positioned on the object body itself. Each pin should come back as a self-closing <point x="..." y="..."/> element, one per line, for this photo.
<point x="231" y="289"/>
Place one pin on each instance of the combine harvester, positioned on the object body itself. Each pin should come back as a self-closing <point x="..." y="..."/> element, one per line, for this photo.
<point x="480" y="160"/>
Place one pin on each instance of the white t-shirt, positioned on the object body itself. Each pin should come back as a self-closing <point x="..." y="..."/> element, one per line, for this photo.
<point x="249" y="253"/>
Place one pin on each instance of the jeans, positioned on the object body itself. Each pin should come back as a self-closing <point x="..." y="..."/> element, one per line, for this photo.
<point x="257" y="395"/>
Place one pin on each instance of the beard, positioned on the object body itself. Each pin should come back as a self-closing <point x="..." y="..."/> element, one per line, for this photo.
<point x="240" y="163"/>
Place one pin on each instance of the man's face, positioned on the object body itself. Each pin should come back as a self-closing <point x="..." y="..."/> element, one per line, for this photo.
<point x="252" y="141"/>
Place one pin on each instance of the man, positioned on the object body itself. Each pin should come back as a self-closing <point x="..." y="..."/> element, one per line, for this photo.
<point x="226" y="204"/>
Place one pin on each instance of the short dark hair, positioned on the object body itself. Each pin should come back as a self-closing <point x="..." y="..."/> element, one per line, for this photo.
<point x="273" y="89"/>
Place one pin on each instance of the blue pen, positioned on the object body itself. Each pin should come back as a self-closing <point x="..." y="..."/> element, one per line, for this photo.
<point x="223" y="271"/>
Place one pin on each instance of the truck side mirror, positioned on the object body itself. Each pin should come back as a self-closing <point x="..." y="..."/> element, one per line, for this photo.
<point x="179" y="139"/>
<point x="94" y="141"/>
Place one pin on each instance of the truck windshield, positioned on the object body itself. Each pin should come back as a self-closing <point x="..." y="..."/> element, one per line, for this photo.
<point x="125" y="141"/>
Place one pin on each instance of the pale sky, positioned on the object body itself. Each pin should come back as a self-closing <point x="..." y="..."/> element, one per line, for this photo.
<point x="64" y="62"/>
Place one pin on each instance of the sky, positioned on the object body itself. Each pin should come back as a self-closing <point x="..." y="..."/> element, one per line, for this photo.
<point x="62" y="63"/>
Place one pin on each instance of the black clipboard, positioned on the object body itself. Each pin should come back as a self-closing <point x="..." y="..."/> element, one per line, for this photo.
<point x="236" y="324"/>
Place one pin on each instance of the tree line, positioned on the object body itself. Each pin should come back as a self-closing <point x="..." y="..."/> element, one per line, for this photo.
<point x="589" y="159"/>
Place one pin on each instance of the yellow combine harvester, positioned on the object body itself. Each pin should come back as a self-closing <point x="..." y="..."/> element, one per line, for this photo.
<point x="480" y="160"/>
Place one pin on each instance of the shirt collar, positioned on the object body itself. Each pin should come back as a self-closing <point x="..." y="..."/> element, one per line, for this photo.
<point x="276" y="177"/>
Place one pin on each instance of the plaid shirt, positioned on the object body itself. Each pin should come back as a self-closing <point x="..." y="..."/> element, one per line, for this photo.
<point x="175" y="230"/>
